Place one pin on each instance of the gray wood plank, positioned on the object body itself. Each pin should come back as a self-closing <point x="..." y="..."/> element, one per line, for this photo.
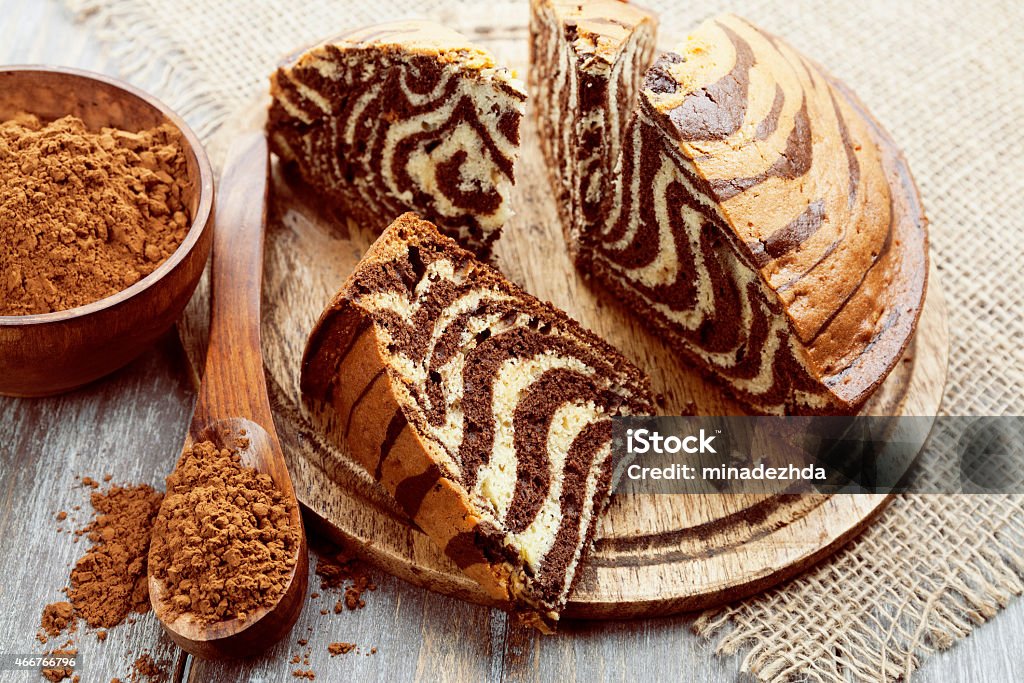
<point x="419" y="635"/>
<point x="127" y="426"/>
<point x="131" y="425"/>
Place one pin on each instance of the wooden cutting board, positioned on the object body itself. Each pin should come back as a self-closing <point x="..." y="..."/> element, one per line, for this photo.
<point x="654" y="554"/>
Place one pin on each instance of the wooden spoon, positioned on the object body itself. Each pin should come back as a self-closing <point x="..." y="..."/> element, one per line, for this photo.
<point x="233" y="403"/>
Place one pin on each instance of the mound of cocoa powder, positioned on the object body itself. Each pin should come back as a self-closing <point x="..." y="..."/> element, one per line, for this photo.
<point x="223" y="544"/>
<point x="84" y="214"/>
<point x="57" y="617"/>
<point x="109" y="581"/>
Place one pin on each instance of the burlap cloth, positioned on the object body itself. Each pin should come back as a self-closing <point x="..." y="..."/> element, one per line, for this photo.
<point x="943" y="77"/>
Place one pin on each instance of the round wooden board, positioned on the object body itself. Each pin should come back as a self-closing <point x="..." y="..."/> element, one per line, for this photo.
<point x="655" y="554"/>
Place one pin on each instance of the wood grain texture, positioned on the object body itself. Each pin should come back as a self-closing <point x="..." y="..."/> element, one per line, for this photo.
<point x="130" y="425"/>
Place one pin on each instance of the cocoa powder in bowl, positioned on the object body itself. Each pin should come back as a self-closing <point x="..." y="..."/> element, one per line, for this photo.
<point x="223" y="544"/>
<point x="84" y="214"/>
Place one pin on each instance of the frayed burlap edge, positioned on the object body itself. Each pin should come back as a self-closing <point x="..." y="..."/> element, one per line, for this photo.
<point x="145" y="54"/>
<point x="877" y="608"/>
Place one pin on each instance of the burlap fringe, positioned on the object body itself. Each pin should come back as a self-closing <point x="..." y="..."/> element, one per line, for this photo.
<point x="907" y="590"/>
<point x="145" y="54"/>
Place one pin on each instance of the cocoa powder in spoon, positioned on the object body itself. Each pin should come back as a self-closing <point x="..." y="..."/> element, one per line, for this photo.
<point x="223" y="544"/>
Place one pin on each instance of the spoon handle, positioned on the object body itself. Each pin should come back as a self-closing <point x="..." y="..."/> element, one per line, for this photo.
<point x="233" y="382"/>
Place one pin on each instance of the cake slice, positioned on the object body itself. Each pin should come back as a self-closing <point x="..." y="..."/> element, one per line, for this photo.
<point x="484" y="411"/>
<point x="764" y="223"/>
<point x="587" y="60"/>
<point x="403" y="116"/>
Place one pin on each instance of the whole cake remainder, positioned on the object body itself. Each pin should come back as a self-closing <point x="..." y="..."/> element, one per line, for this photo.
<point x="484" y="411"/>
<point x="404" y="116"/>
<point x="588" y="64"/>
<point x="762" y="222"/>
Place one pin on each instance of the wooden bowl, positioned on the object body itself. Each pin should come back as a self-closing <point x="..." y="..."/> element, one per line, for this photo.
<point x="50" y="353"/>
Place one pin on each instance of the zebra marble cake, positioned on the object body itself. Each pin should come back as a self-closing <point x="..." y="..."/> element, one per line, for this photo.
<point x="764" y="223"/>
<point x="588" y="61"/>
<point x="403" y="116"/>
<point x="484" y="411"/>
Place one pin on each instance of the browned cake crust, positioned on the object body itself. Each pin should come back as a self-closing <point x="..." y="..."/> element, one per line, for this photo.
<point x="764" y="222"/>
<point x="403" y="116"/>
<point x="484" y="411"/>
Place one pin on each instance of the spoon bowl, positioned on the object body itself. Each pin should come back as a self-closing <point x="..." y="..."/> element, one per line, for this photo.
<point x="235" y="638"/>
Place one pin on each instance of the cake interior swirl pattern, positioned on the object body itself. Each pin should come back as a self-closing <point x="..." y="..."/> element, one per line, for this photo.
<point x="588" y="63"/>
<point x="730" y="193"/>
<point x="485" y="412"/>
<point x="403" y="116"/>
<point x="759" y="220"/>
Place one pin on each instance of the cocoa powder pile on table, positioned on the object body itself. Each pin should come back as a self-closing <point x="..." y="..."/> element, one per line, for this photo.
<point x="223" y="544"/>
<point x="108" y="583"/>
<point x="83" y="214"/>
<point x="57" y="617"/>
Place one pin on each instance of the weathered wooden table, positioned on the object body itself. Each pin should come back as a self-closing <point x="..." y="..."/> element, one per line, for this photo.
<point x="131" y="426"/>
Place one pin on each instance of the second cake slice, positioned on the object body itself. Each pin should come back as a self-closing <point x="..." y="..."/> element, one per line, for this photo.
<point x="408" y="116"/>
<point x="484" y="411"/>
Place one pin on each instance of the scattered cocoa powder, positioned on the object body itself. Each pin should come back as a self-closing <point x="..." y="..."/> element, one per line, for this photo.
<point x="340" y="648"/>
<point x="59" y="673"/>
<point x="84" y="214"/>
<point x="62" y="515"/>
<point x="307" y="674"/>
<point x="109" y="582"/>
<point x="57" y="616"/>
<point x="337" y="569"/>
<point x="148" y="669"/>
<point x="354" y="596"/>
<point x="223" y="544"/>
